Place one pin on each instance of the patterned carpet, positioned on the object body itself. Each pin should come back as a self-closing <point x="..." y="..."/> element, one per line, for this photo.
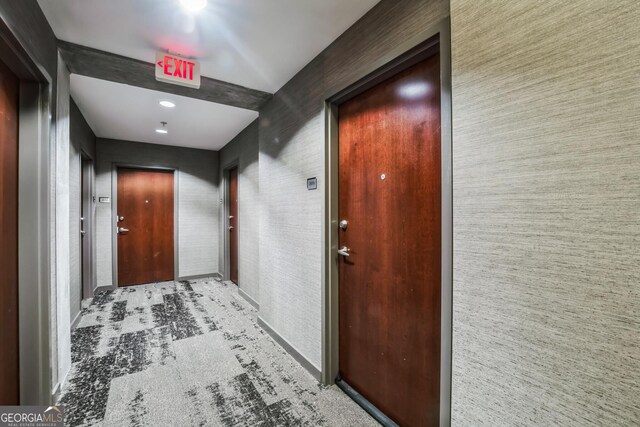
<point x="190" y="354"/>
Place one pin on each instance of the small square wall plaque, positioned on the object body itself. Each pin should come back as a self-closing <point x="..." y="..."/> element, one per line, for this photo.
<point x="312" y="183"/>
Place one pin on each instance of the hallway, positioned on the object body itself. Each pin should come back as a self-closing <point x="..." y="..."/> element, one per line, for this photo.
<point x="417" y="213"/>
<point x="190" y="353"/>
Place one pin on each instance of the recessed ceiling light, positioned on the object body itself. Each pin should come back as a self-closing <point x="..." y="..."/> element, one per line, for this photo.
<point x="193" y="5"/>
<point x="163" y="129"/>
<point x="167" y="104"/>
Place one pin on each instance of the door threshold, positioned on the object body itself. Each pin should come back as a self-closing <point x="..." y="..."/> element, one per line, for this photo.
<point x="376" y="413"/>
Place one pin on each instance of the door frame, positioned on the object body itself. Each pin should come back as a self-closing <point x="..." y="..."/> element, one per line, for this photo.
<point x="37" y="347"/>
<point x="114" y="214"/>
<point x="88" y="259"/>
<point x="425" y="44"/>
<point x="235" y="163"/>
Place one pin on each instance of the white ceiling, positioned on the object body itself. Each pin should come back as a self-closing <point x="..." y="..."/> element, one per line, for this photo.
<point x="118" y="111"/>
<point x="259" y="44"/>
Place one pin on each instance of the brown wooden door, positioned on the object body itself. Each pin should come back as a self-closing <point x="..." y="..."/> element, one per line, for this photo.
<point x="389" y="192"/>
<point x="233" y="224"/>
<point x="9" y="380"/>
<point x="146" y="204"/>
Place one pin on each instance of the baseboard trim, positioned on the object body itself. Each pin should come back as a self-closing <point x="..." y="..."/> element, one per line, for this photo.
<point x="76" y="320"/>
<point x="306" y="364"/>
<point x="248" y="298"/>
<point x="55" y="394"/>
<point x="194" y="277"/>
<point x="104" y="288"/>
<point x="199" y="276"/>
<point x="61" y="383"/>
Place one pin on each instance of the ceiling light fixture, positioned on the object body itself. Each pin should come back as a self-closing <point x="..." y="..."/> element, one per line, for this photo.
<point x="167" y="104"/>
<point x="193" y="5"/>
<point x="162" y="130"/>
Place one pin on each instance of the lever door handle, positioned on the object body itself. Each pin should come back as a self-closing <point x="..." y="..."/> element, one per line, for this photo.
<point x="231" y="227"/>
<point x="122" y="230"/>
<point x="344" y="251"/>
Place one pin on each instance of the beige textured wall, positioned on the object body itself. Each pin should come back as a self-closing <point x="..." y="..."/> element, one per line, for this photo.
<point x="61" y="209"/>
<point x="546" y="98"/>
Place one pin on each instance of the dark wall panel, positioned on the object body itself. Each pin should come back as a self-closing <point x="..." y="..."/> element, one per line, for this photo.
<point x="81" y="131"/>
<point x="29" y="25"/>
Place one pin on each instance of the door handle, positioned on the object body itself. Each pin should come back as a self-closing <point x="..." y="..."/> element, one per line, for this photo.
<point x="122" y="230"/>
<point x="344" y="251"/>
<point x="82" y="232"/>
<point x="231" y="227"/>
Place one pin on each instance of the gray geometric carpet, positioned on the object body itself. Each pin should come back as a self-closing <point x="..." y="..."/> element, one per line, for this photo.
<point x="190" y="354"/>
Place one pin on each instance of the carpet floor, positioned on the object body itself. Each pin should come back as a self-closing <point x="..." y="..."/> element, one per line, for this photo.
<point x="189" y="353"/>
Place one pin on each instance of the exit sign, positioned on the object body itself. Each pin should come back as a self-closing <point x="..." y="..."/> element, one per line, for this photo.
<point x="177" y="70"/>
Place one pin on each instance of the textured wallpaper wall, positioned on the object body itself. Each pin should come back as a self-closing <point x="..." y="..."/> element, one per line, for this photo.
<point x="292" y="150"/>
<point x="197" y="202"/>
<point x="244" y="149"/>
<point x="61" y="211"/>
<point x="546" y="141"/>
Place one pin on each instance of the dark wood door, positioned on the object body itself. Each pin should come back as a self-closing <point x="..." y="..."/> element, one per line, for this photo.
<point x="390" y="194"/>
<point x="9" y="380"/>
<point x="233" y="224"/>
<point x="145" y="246"/>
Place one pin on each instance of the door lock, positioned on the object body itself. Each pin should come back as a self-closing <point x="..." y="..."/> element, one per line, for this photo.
<point x="344" y="251"/>
<point x="343" y="224"/>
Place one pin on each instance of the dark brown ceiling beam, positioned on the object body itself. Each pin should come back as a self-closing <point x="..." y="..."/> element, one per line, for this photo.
<point x="98" y="64"/>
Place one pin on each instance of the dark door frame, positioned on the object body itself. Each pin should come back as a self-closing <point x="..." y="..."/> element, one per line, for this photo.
<point x="428" y="42"/>
<point x="225" y="212"/>
<point x="114" y="215"/>
<point x="88" y="209"/>
<point x="37" y="357"/>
